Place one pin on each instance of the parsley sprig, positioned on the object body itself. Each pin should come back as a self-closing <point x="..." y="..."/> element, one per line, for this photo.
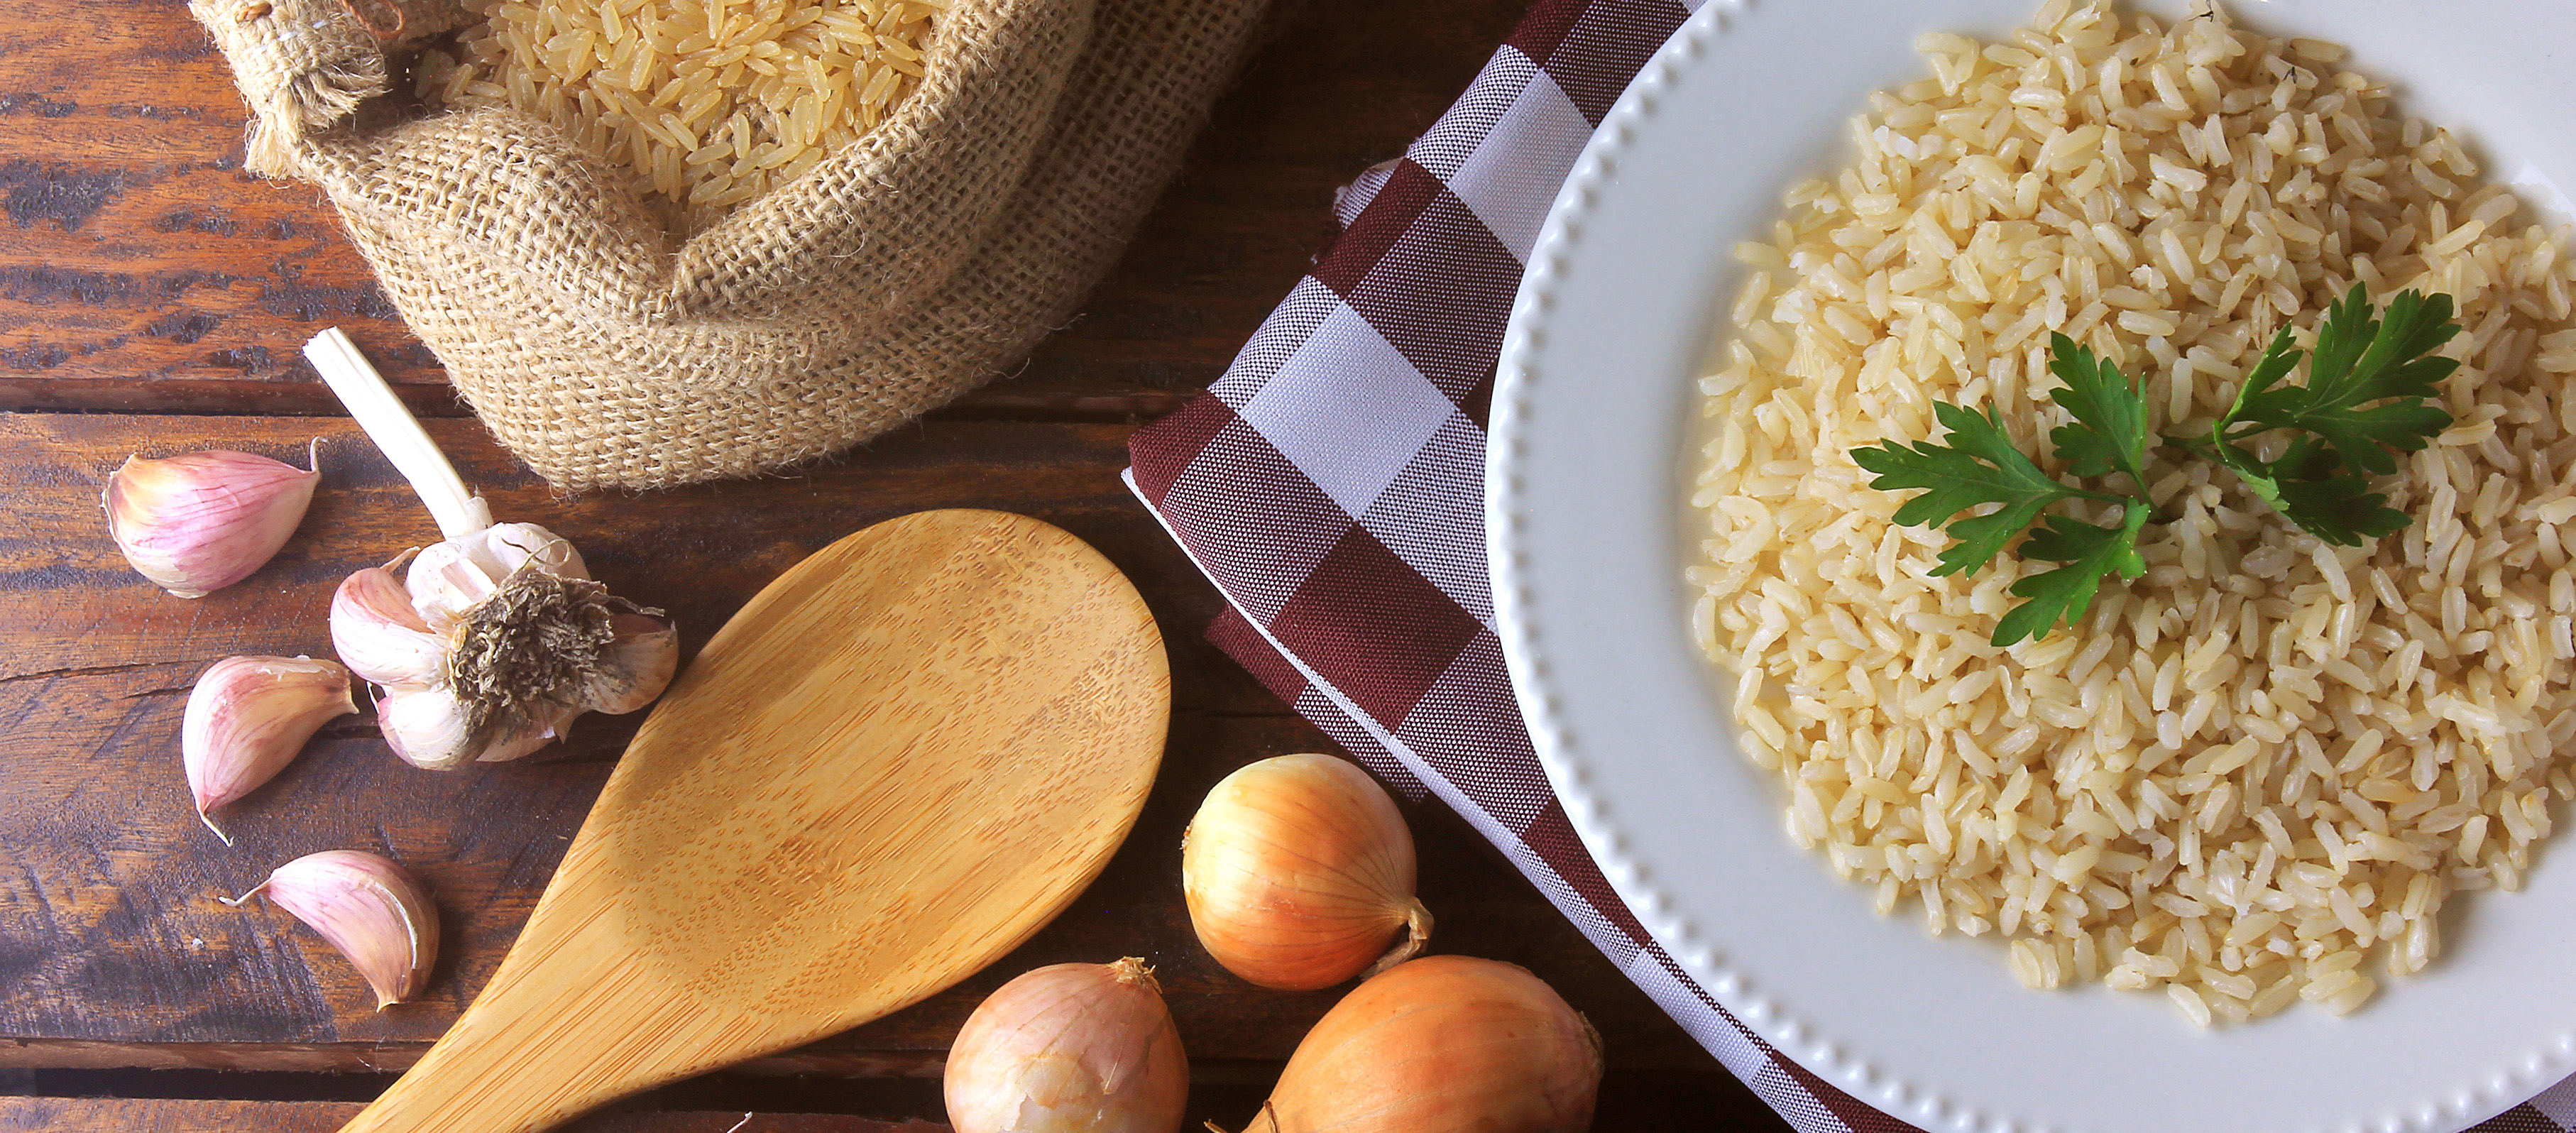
<point x="2367" y="398"/>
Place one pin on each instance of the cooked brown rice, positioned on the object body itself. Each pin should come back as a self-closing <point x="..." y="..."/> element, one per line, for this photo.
<point x="2268" y="757"/>
<point x="710" y="102"/>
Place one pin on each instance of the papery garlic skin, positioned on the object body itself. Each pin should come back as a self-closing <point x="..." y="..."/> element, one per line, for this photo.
<point x="1442" y="1044"/>
<point x="199" y="522"/>
<point x="247" y="718"/>
<point x="429" y="728"/>
<point x="449" y="579"/>
<point x="425" y="726"/>
<point x="1298" y="871"/>
<point x="1069" y="1048"/>
<point x="642" y="659"/>
<point x="376" y="914"/>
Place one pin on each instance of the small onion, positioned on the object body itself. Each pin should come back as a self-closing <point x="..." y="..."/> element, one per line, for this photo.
<point x="1070" y="1048"/>
<point x="1298" y="871"/>
<point x="1443" y="1044"/>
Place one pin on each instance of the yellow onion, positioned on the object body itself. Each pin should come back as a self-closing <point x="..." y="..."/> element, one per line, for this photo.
<point x="1070" y="1048"/>
<point x="1443" y="1044"/>
<point x="1299" y="872"/>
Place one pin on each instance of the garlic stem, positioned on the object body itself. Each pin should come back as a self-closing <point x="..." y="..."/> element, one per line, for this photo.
<point x="373" y="404"/>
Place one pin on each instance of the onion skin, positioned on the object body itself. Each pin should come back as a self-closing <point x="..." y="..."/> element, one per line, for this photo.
<point x="1443" y="1044"/>
<point x="1070" y="1048"/>
<point x="1299" y="873"/>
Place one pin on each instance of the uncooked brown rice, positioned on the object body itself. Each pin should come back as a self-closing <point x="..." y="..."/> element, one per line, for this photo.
<point x="2247" y="770"/>
<point x="710" y="102"/>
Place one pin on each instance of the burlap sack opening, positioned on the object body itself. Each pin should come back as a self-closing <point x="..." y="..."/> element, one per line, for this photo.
<point x="899" y="273"/>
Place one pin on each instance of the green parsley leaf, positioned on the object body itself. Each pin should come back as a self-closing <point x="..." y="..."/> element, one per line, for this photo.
<point x="2257" y="396"/>
<point x="2369" y="385"/>
<point x="2109" y="433"/>
<point x="1978" y="466"/>
<point x="2369" y="395"/>
<point x="2305" y="487"/>
<point x="2063" y="594"/>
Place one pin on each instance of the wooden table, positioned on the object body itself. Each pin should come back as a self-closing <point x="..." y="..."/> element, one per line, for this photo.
<point x="153" y="297"/>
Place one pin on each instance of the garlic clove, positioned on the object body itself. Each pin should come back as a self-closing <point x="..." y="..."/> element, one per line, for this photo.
<point x="247" y="717"/>
<point x="637" y="665"/>
<point x="196" y="523"/>
<point x="378" y="634"/>
<point x="426" y="726"/>
<point x="429" y="727"/>
<point x="451" y="578"/>
<point x="1298" y="872"/>
<point x="1069" y="1048"/>
<point x="369" y="909"/>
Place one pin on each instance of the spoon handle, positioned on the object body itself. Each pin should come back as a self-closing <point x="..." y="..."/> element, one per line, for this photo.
<point x="566" y="1025"/>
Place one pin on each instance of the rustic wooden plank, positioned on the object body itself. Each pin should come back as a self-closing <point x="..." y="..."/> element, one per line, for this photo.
<point x="142" y="271"/>
<point x="117" y="953"/>
<point x="113" y="950"/>
<point x="68" y="601"/>
<point x="161" y="1115"/>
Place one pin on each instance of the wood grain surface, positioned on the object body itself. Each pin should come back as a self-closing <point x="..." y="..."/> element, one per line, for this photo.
<point x="114" y="952"/>
<point x="152" y="297"/>
<point x="48" y="1115"/>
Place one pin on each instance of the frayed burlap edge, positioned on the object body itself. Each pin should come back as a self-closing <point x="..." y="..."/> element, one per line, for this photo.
<point x="895" y="277"/>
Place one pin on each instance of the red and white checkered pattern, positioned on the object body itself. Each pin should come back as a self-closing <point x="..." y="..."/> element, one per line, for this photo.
<point x="1331" y="484"/>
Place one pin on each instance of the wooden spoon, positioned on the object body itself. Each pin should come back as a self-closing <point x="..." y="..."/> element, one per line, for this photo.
<point x="899" y="761"/>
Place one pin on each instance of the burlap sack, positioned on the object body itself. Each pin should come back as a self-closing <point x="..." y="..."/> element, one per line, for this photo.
<point x="898" y="274"/>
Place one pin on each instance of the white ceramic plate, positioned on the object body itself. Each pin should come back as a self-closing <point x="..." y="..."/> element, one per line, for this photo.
<point x="1587" y="511"/>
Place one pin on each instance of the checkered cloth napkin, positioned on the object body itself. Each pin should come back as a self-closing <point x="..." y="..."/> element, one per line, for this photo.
<point x="1331" y="484"/>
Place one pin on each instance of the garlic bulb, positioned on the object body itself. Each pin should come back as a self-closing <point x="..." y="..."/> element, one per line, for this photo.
<point x="369" y="909"/>
<point x="1069" y="1048"/>
<point x="246" y="719"/>
<point x="200" y="522"/>
<point x="1443" y="1044"/>
<point x="1298" y="871"/>
<point x="489" y="644"/>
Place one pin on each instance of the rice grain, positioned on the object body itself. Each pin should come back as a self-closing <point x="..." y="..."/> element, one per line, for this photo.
<point x="707" y="104"/>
